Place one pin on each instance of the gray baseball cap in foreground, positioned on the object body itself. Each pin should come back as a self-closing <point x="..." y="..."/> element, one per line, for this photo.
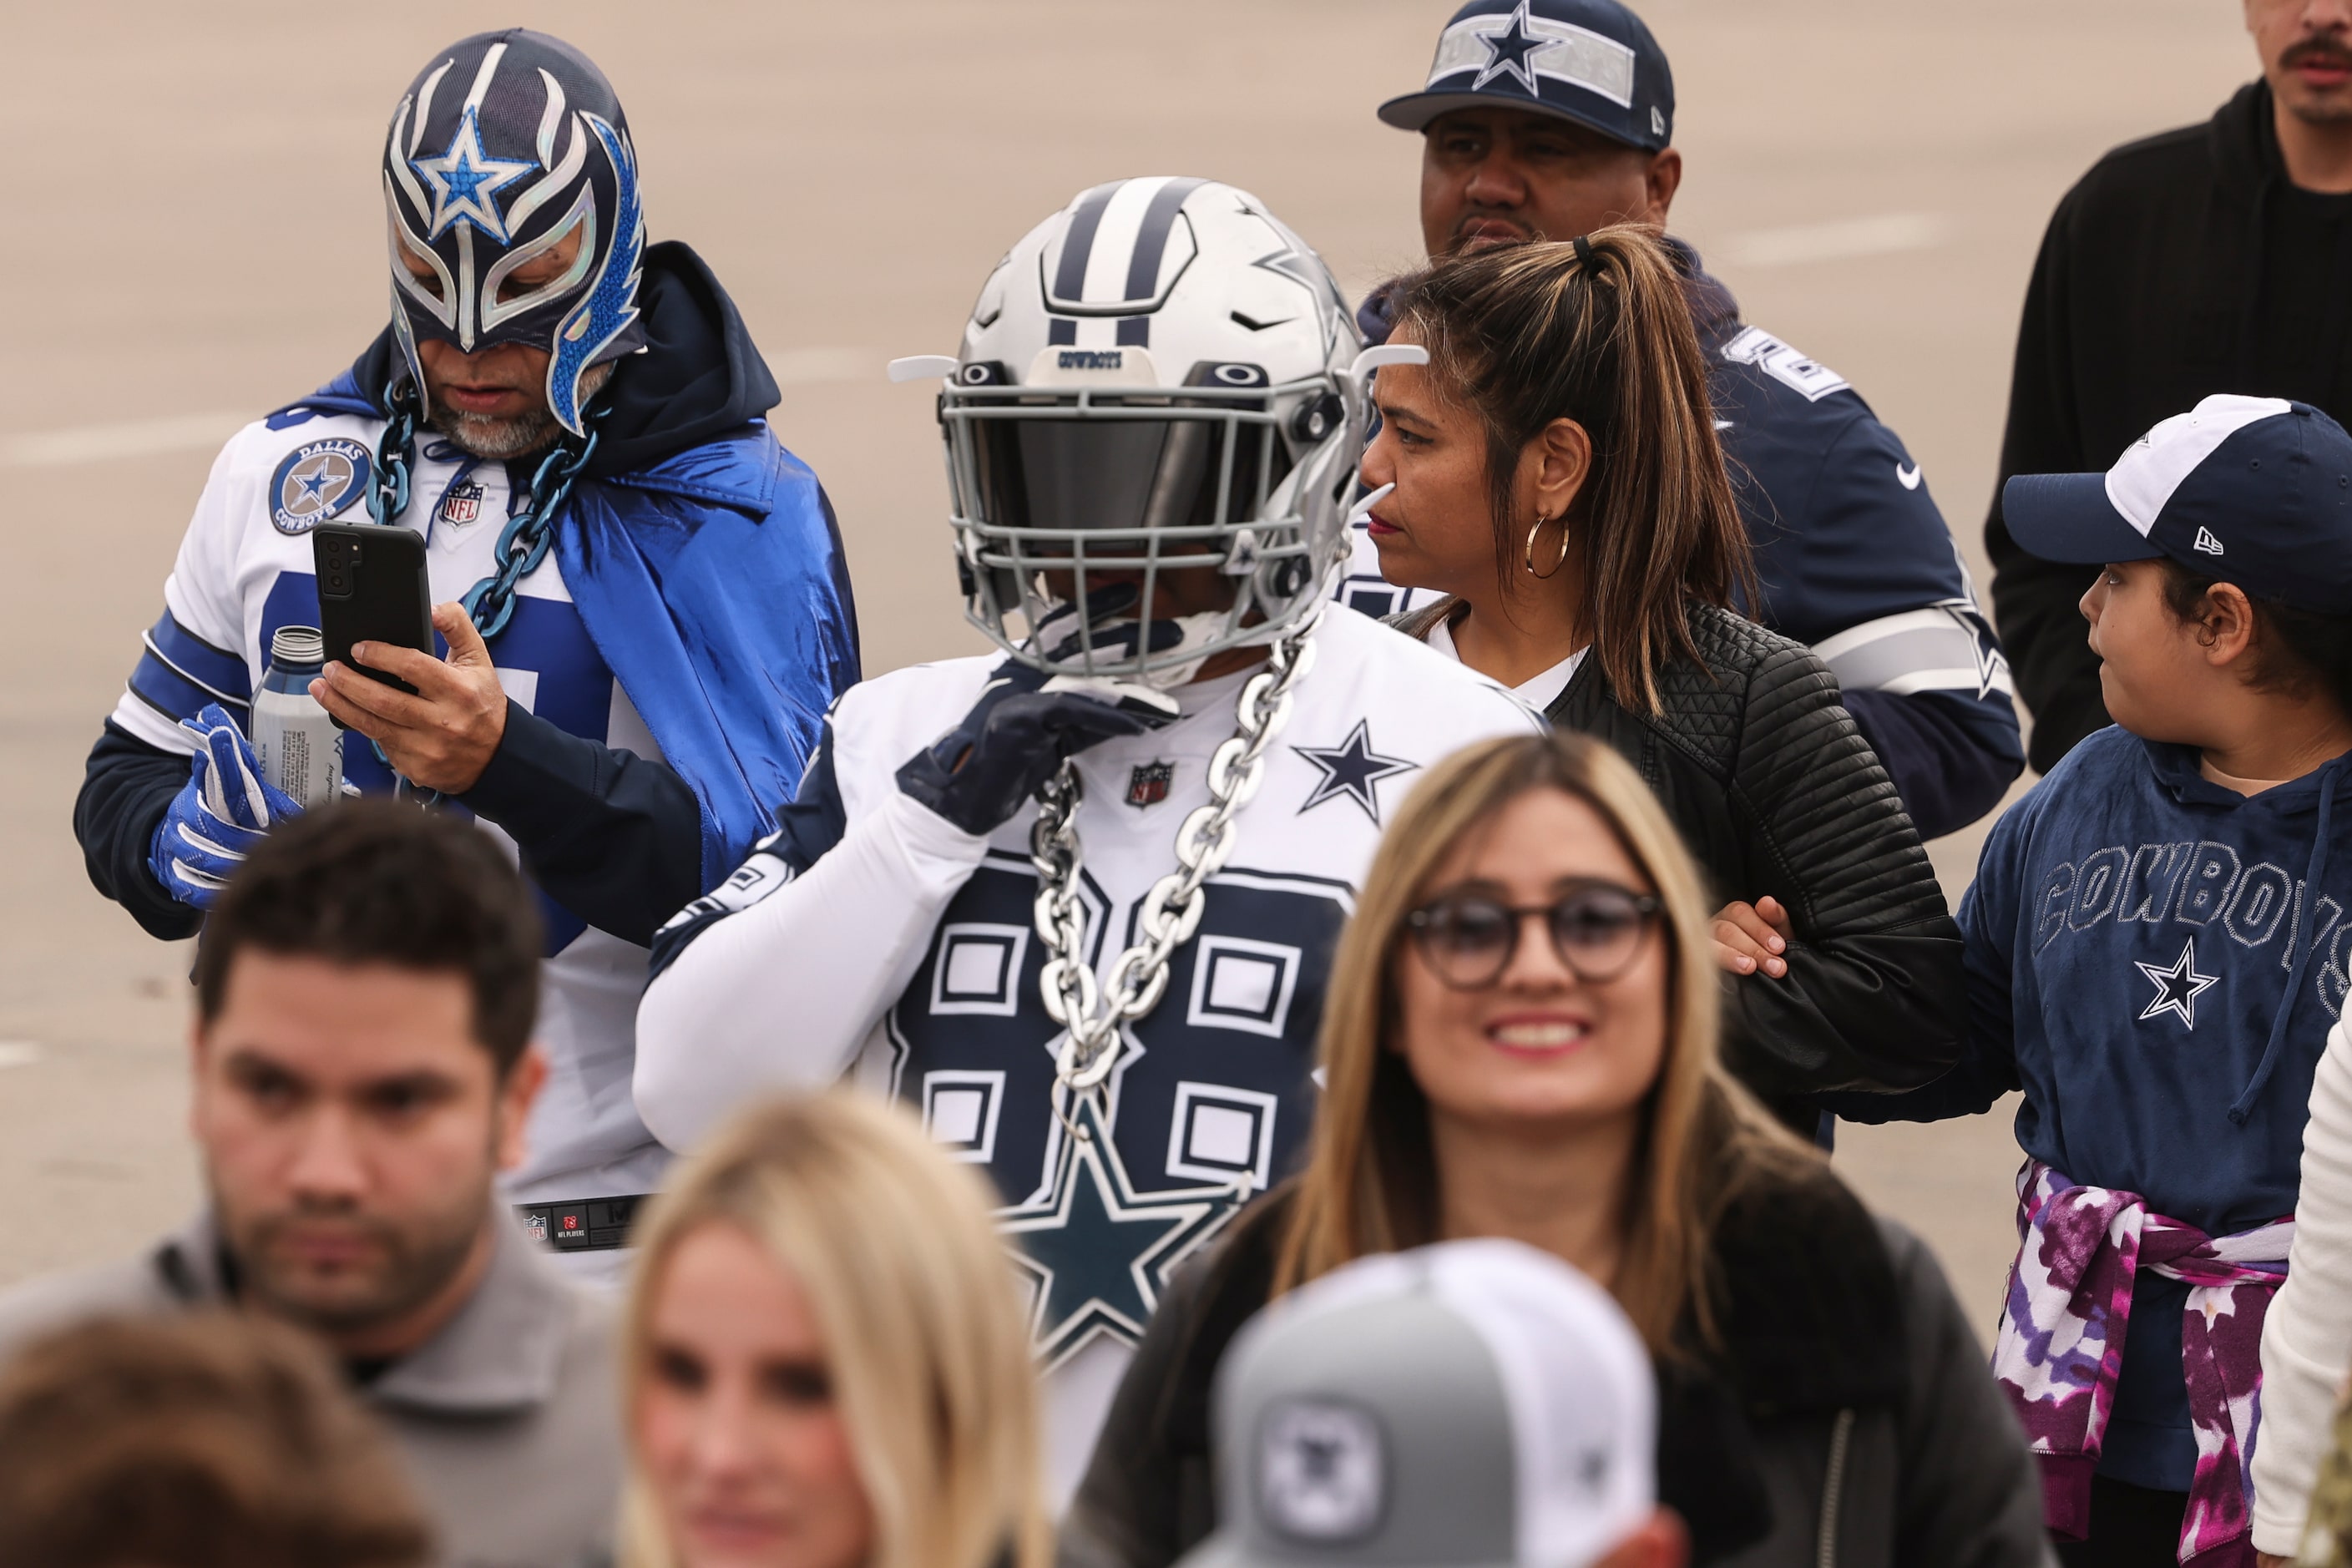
<point x="1472" y="1404"/>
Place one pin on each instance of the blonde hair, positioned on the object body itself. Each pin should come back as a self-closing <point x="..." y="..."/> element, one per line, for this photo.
<point x="1370" y="1181"/>
<point x="1598" y="331"/>
<point x="894" y="1249"/>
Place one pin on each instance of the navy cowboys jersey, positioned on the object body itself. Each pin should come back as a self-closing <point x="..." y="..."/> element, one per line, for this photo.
<point x="870" y="937"/>
<point x="245" y="569"/>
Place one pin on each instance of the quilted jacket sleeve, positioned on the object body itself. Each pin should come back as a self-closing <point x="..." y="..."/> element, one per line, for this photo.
<point x="1875" y="996"/>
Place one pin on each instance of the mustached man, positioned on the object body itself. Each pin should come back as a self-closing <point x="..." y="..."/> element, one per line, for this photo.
<point x="641" y="594"/>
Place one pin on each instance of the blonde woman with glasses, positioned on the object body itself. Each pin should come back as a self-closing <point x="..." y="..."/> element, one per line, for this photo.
<point x="826" y="1362"/>
<point x="1520" y="1041"/>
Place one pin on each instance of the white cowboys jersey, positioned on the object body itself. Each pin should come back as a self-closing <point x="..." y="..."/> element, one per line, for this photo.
<point x="245" y="569"/>
<point x="873" y="938"/>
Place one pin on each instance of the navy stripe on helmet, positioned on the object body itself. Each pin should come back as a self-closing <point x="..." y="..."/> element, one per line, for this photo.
<point x="1077" y="246"/>
<point x="1151" y="238"/>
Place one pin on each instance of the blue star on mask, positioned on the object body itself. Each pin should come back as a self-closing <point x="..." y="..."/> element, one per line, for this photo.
<point x="2176" y="988"/>
<point x="466" y="182"/>
<point x="1352" y="769"/>
<point x="1099" y="1250"/>
<point x="1508" y="52"/>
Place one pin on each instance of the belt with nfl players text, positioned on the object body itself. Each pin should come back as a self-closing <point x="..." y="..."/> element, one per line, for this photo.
<point x="591" y="1224"/>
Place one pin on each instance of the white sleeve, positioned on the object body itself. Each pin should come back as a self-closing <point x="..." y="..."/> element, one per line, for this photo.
<point x="2307" y="1333"/>
<point x="195" y="653"/>
<point x="781" y="993"/>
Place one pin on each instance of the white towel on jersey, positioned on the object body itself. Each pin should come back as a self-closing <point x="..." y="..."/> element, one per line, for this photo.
<point x="902" y="951"/>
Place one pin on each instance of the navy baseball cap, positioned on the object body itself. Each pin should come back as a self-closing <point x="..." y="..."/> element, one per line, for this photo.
<point x="1591" y="61"/>
<point x="2251" y="490"/>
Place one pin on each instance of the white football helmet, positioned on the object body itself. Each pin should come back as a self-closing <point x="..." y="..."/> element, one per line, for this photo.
<point x="1159" y="377"/>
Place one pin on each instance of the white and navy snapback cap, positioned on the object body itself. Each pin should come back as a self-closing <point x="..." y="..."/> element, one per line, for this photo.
<point x="1471" y="1405"/>
<point x="2251" y="490"/>
<point x="1591" y="61"/>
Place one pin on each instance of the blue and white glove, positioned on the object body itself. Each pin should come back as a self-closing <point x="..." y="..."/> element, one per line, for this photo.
<point x="1026" y="723"/>
<point x="215" y="822"/>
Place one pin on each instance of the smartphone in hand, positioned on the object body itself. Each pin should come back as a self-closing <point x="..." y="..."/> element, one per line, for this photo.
<point x="371" y="588"/>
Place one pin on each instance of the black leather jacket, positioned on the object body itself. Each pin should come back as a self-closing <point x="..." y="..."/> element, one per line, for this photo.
<point x="1776" y="792"/>
<point x="1846" y="1417"/>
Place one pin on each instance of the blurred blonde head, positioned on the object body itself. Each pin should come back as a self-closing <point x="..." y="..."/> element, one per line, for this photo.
<point x="893" y="1247"/>
<point x="1370" y="1183"/>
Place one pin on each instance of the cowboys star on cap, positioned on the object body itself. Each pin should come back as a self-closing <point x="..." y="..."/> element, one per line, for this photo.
<point x="1352" y="769"/>
<point x="466" y="182"/>
<point x="1508" y="52"/>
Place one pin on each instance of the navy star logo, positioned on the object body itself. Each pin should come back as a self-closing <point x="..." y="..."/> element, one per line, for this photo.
<point x="466" y="182"/>
<point x="314" y="483"/>
<point x="2176" y="988"/>
<point x="1352" y="769"/>
<point x="1098" y="1250"/>
<point x="1508" y="52"/>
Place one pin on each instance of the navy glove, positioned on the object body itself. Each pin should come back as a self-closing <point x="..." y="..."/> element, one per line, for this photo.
<point x="1026" y="724"/>
<point x="214" y="823"/>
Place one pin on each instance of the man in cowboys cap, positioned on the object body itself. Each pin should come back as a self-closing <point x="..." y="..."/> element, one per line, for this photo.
<point x="1549" y="119"/>
<point x="641" y="592"/>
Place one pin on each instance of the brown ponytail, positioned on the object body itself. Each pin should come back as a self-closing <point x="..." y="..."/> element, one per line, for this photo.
<point x="1598" y="331"/>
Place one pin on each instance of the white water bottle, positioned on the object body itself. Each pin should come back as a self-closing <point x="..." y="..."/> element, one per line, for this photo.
<point x="301" y="750"/>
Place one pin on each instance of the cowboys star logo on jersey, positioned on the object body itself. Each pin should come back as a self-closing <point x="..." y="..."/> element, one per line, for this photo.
<point x="316" y="481"/>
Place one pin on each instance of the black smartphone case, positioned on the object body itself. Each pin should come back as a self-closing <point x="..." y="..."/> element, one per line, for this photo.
<point x="371" y="588"/>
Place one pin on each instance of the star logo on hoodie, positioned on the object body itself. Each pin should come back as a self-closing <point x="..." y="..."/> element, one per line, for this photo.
<point x="2176" y="988"/>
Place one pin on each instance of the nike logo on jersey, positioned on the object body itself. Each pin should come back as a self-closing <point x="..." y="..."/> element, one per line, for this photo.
<point x="1907" y="475"/>
<point x="2207" y="542"/>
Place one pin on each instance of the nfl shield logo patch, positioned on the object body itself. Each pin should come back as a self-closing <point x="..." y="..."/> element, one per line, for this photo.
<point x="463" y="503"/>
<point x="1147" y="784"/>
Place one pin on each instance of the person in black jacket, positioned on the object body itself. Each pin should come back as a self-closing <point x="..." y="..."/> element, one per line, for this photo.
<point x="1520" y="1042"/>
<point x="2211" y="258"/>
<point x="1556" y="475"/>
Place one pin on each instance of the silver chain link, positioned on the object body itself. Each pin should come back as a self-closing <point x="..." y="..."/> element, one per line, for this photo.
<point x="1093" y="1010"/>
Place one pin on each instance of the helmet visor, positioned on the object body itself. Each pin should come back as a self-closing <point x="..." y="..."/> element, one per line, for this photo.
<point x="1092" y="475"/>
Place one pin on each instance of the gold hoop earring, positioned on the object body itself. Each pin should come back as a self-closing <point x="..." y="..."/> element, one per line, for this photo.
<point x="1528" y="555"/>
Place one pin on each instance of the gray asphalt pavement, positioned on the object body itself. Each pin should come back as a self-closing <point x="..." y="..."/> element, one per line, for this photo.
<point x="193" y="237"/>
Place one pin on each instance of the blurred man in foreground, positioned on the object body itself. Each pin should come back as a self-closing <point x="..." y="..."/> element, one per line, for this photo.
<point x="366" y="996"/>
<point x="1549" y="119"/>
<point x="2211" y="258"/>
<point x="206" y="1440"/>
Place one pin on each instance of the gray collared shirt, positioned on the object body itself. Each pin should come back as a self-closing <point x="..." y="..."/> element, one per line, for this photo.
<point x="509" y="1416"/>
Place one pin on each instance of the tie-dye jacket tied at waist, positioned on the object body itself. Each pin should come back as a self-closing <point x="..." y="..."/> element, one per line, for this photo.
<point x="2062" y="1344"/>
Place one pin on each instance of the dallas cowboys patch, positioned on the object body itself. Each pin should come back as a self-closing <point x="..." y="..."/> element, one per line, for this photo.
<point x="316" y="482"/>
<point x="1321" y="1475"/>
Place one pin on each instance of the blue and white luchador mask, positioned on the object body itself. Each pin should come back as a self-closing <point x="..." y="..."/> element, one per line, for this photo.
<point x="506" y="144"/>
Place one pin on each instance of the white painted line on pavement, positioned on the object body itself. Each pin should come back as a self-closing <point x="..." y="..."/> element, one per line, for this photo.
<point x="1883" y="234"/>
<point x="102" y="443"/>
<point x="201" y="432"/>
<point x="19" y="1053"/>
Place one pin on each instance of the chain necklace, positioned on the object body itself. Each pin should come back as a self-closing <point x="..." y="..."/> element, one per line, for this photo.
<point x="528" y="533"/>
<point x="523" y="544"/>
<point x="1091" y="1010"/>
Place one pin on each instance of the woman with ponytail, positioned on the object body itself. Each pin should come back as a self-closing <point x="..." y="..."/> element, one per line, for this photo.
<point x="1554" y="471"/>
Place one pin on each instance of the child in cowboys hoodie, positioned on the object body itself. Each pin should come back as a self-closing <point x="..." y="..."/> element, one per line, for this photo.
<point x="2157" y="943"/>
